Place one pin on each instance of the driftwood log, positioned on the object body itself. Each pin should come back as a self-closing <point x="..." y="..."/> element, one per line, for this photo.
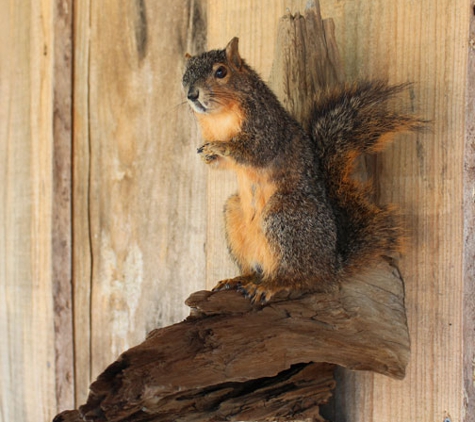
<point x="231" y="360"/>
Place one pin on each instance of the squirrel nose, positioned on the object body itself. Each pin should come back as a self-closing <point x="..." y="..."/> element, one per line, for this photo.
<point x="193" y="93"/>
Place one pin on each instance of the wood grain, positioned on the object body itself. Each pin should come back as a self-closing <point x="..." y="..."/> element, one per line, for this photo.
<point x="81" y="252"/>
<point x="140" y="196"/>
<point x="469" y="235"/>
<point x="27" y="348"/>
<point x="401" y="42"/>
<point x="62" y="202"/>
<point x="307" y="60"/>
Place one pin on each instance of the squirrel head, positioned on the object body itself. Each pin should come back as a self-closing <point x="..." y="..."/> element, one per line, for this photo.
<point x="212" y="85"/>
<point x="210" y="77"/>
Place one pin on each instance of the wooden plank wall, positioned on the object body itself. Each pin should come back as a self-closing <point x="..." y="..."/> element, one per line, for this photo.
<point x="27" y="349"/>
<point x="145" y="224"/>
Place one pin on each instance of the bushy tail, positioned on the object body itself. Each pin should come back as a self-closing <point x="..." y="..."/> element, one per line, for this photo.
<point x="344" y="124"/>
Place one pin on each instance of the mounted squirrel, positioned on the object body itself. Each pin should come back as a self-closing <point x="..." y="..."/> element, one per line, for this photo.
<point x="298" y="222"/>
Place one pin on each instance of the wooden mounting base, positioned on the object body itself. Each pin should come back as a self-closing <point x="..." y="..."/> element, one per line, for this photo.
<point x="231" y="360"/>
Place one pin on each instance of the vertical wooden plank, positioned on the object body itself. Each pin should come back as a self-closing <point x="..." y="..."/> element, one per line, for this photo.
<point x="422" y="42"/>
<point x="62" y="230"/>
<point x="140" y="192"/>
<point x="469" y="232"/>
<point x="401" y="41"/>
<point x="27" y="365"/>
<point x="82" y="256"/>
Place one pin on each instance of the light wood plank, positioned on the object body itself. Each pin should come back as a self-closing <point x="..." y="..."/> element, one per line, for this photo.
<point x="469" y="233"/>
<point x="82" y="256"/>
<point x="27" y="353"/>
<point x="141" y="193"/>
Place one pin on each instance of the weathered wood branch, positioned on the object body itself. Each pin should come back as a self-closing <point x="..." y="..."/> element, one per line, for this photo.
<point x="231" y="360"/>
<point x="306" y="60"/>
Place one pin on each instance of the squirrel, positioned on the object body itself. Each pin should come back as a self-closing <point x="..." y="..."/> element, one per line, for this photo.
<point x="299" y="222"/>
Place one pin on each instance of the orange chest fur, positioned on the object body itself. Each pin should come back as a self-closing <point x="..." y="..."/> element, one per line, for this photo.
<point x="255" y="190"/>
<point x="245" y="215"/>
<point x="222" y="125"/>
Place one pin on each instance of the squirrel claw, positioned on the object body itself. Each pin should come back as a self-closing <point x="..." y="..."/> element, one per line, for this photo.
<point x="228" y="284"/>
<point x="209" y="158"/>
<point x="257" y="294"/>
<point x="250" y="287"/>
<point x="206" y="154"/>
<point x="263" y="294"/>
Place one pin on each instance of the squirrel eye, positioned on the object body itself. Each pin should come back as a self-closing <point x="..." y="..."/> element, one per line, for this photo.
<point x="221" y="72"/>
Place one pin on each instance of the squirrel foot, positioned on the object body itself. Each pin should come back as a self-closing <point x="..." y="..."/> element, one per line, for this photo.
<point x="253" y="288"/>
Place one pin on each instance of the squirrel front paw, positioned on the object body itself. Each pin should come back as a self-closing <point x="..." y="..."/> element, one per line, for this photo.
<point x="210" y="151"/>
<point x="206" y="155"/>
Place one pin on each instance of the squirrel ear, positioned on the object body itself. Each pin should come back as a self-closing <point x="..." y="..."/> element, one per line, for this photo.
<point x="232" y="53"/>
